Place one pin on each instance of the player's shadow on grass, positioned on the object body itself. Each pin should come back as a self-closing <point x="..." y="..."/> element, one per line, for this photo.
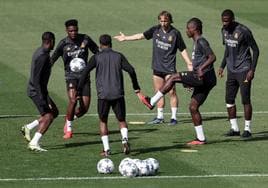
<point x="80" y="144"/>
<point x="207" y="118"/>
<point x="138" y="151"/>
<point x="116" y="132"/>
<point x="258" y="136"/>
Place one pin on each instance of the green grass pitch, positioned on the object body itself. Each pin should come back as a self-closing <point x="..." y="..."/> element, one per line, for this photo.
<point x="223" y="162"/>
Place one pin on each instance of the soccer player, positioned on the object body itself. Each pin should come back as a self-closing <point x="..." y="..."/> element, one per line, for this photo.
<point x="241" y="65"/>
<point x="166" y="40"/>
<point x="202" y="78"/>
<point x="37" y="91"/>
<point x="109" y="66"/>
<point x="73" y="46"/>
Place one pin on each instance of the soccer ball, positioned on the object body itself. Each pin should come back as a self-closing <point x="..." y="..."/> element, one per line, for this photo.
<point x="128" y="168"/>
<point x="77" y="65"/>
<point x="154" y="164"/>
<point x="125" y="160"/>
<point x="105" y="166"/>
<point x="143" y="168"/>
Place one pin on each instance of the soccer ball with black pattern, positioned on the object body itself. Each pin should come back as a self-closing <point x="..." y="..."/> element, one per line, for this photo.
<point x="105" y="166"/>
<point x="77" y="65"/>
<point x="153" y="164"/>
<point x="128" y="168"/>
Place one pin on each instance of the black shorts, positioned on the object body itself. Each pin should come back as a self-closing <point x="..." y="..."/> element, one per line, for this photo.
<point x="201" y="92"/>
<point x="118" y="106"/>
<point x="233" y="83"/>
<point x="72" y="83"/>
<point x="190" y="79"/>
<point x="161" y="74"/>
<point x="45" y="106"/>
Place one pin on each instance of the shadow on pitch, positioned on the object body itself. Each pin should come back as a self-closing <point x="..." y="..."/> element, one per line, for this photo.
<point x="80" y="144"/>
<point x="116" y="132"/>
<point x="139" y="151"/>
<point x="260" y="136"/>
<point x="207" y="118"/>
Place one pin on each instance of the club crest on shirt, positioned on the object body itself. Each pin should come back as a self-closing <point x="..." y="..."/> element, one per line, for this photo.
<point x="157" y="34"/>
<point x="83" y="45"/>
<point x="236" y="35"/>
<point x="68" y="49"/>
<point x="170" y="38"/>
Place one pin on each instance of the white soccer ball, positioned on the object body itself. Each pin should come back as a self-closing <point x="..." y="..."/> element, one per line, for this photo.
<point x="143" y="168"/>
<point x="105" y="166"/>
<point x="125" y="160"/>
<point x="77" y="65"/>
<point x="128" y="168"/>
<point x="154" y="165"/>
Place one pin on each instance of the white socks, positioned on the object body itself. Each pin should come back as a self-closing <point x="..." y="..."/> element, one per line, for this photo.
<point x="200" y="133"/>
<point x="160" y="113"/>
<point x="247" y="125"/>
<point x="234" y="124"/>
<point x="32" y="125"/>
<point x="124" y="134"/>
<point x="68" y="125"/>
<point x="36" y="138"/>
<point x="156" y="98"/>
<point x="105" y="142"/>
<point x="174" y="113"/>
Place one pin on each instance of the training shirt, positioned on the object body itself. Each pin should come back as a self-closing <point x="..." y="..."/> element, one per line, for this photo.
<point x="69" y="49"/>
<point x="165" y="45"/>
<point x="109" y="75"/>
<point x="40" y="73"/>
<point x="238" y="42"/>
<point x="200" y="53"/>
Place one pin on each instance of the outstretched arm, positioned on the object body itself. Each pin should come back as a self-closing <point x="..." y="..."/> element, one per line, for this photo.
<point x="123" y="37"/>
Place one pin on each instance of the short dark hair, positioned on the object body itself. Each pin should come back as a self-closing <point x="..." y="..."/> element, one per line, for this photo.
<point x="47" y="36"/>
<point x="167" y="14"/>
<point x="229" y="13"/>
<point x="105" y="40"/>
<point x="198" y="23"/>
<point x="71" y="22"/>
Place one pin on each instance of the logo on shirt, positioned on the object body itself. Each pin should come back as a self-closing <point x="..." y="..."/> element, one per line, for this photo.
<point x="236" y="35"/>
<point x="83" y="45"/>
<point x="170" y="38"/>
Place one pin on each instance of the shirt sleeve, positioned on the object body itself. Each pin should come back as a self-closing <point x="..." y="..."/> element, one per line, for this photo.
<point x="204" y="46"/>
<point x="57" y="52"/>
<point x="39" y="65"/>
<point x="91" y="65"/>
<point x="255" y="50"/>
<point x="126" y="66"/>
<point x="91" y="45"/>
<point x="148" y="34"/>
<point x="180" y="42"/>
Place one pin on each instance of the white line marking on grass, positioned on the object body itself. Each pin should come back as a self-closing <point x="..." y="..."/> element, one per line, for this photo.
<point x="134" y="114"/>
<point x="144" y="177"/>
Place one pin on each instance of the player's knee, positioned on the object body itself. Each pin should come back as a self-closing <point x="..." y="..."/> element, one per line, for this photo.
<point x="72" y="101"/>
<point x="193" y="108"/>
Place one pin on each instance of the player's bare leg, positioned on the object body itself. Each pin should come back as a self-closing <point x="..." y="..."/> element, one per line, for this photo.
<point x="248" y="117"/>
<point x="158" y="82"/>
<point x="197" y="121"/>
<point x="70" y="113"/>
<point x="104" y="132"/>
<point x="124" y="134"/>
